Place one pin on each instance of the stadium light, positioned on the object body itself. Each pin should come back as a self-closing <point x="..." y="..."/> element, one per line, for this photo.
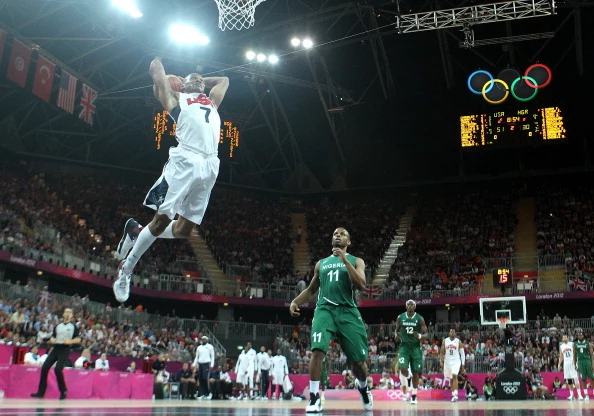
<point x="307" y="43"/>
<point x="181" y="33"/>
<point x="250" y="55"/>
<point x="295" y="42"/>
<point x="261" y="57"/>
<point x="128" y="6"/>
<point x="273" y="59"/>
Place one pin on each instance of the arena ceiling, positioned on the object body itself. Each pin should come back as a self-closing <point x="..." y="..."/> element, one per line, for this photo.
<point x="366" y="106"/>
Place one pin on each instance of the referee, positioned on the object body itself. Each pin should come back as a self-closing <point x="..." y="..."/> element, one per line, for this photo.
<point x="205" y="359"/>
<point x="65" y="335"/>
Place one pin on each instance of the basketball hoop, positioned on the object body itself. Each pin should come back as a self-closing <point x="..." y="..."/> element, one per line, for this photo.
<point x="502" y="322"/>
<point x="237" y="14"/>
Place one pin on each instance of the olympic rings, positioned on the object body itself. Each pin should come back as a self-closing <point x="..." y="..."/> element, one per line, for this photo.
<point x="536" y="66"/>
<point x="489" y="87"/>
<point x="529" y="80"/>
<point x="480" y="71"/>
<point x="533" y="78"/>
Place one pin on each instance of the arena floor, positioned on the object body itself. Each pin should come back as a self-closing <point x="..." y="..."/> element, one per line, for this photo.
<point x="216" y="408"/>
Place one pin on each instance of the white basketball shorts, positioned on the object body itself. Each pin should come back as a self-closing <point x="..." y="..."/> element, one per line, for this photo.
<point x="246" y="379"/>
<point x="185" y="185"/>
<point x="449" y="369"/>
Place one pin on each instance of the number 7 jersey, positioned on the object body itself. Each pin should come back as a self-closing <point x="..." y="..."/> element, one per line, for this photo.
<point x="198" y="123"/>
<point x="336" y="287"/>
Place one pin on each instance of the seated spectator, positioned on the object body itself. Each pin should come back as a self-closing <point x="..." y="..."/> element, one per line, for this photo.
<point x="538" y="389"/>
<point x="33" y="358"/>
<point x="489" y="391"/>
<point x="161" y="376"/>
<point x="187" y="379"/>
<point x="84" y="361"/>
<point x="226" y="382"/>
<point x="102" y="363"/>
<point x="132" y="367"/>
<point x="471" y="390"/>
<point x="386" y="382"/>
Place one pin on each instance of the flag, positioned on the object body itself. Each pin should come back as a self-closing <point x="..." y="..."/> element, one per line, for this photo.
<point x="2" y="38"/>
<point x="18" y="64"/>
<point x="66" y="92"/>
<point x="87" y="102"/>
<point x="44" y="78"/>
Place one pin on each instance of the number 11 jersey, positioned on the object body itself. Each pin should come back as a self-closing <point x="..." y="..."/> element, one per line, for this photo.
<point x="336" y="287"/>
<point x="198" y="123"/>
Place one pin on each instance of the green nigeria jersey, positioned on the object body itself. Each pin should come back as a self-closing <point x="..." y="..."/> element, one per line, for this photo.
<point x="409" y="325"/>
<point x="336" y="287"/>
<point x="583" y="349"/>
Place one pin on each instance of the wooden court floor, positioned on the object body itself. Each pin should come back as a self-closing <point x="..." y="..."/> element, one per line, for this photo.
<point x="290" y="408"/>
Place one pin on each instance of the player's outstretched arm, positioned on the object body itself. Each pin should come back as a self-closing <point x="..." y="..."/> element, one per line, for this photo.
<point x="218" y="88"/>
<point x="424" y="331"/>
<point x="163" y="92"/>
<point x="397" y="332"/>
<point x="442" y="353"/>
<point x="308" y="294"/>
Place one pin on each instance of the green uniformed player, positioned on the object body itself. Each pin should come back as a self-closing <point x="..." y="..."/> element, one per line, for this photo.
<point x="410" y="328"/>
<point x="336" y="280"/>
<point x="583" y="357"/>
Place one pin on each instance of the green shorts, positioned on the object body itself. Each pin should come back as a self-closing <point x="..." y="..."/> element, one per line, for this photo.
<point x="585" y="369"/>
<point x="346" y="324"/>
<point x="410" y="355"/>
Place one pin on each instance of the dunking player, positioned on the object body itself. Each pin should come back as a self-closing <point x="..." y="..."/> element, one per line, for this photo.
<point x="566" y="360"/>
<point x="583" y="359"/>
<point x="452" y="359"/>
<point x="336" y="278"/>
<point x="188" y="176"/>
<point x="410" y="328"/>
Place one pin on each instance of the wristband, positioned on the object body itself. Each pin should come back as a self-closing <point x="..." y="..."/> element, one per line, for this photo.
<point x="420" y="336"/>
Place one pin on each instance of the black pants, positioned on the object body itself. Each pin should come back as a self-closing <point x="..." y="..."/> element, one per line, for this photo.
<point x="203" y="373"/>
<point x="265" y="382"/>
<point x="57" y="356"/>
<point x="187" y="389"/>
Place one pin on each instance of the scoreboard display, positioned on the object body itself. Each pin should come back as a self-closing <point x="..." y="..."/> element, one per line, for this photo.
<point x="512" y="127"/>
<point x="228" y="137"/>
<point x="502" y="278"/>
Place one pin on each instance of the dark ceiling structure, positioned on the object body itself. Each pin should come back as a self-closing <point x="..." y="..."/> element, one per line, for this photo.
<point x="374" y="103"/>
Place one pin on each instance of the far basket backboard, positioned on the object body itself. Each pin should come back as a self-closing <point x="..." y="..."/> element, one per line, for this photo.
<point x="512" y="307"/>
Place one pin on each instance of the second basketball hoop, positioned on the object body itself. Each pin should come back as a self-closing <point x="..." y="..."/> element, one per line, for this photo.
<point x="237" y="14"/>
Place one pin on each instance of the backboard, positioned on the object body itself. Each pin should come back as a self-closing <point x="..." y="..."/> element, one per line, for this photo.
<point x="512" y="307"/>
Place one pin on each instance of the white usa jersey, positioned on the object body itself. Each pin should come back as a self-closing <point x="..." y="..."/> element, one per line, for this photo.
<point x="567" y="351"/>
<point x="198" y="123"/>
<point x="452" y="350"/>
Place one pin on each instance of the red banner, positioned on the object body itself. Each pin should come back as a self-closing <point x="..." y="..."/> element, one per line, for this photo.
<point x="44" y="78"/>
<point x="18" y="65"/>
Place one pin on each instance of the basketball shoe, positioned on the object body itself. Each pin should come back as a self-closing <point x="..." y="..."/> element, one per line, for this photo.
<point x="121" y="287"/>
<point x="315" y="404"/>
<point x="131" y="231"/>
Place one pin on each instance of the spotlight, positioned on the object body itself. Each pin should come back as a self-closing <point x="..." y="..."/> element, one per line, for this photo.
<point x="251" y="55"/>
<point x="307" y="43"/>
<point x="273" y="59"/>
<point x="261" y="57"/>
<point x="295" y="42"/>
<point x="187" y="34"/>
<point x="128" y="6"/>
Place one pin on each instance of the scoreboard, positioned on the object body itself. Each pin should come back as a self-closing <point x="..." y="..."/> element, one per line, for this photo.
<point x="512" y="127"/>
<point x="228" y="137"/>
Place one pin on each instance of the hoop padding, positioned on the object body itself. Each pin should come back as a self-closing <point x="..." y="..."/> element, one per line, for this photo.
<point x="237" y="14"/>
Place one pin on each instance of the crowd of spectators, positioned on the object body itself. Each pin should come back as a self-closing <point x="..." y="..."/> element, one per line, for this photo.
<point x="372" y="224"/>
<point x="564" y="222"/>
<point x="252" y="231"/>
<point x="448" y="240"/>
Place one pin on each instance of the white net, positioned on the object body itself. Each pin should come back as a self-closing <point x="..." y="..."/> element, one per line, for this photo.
<point x="237" y="14"/>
